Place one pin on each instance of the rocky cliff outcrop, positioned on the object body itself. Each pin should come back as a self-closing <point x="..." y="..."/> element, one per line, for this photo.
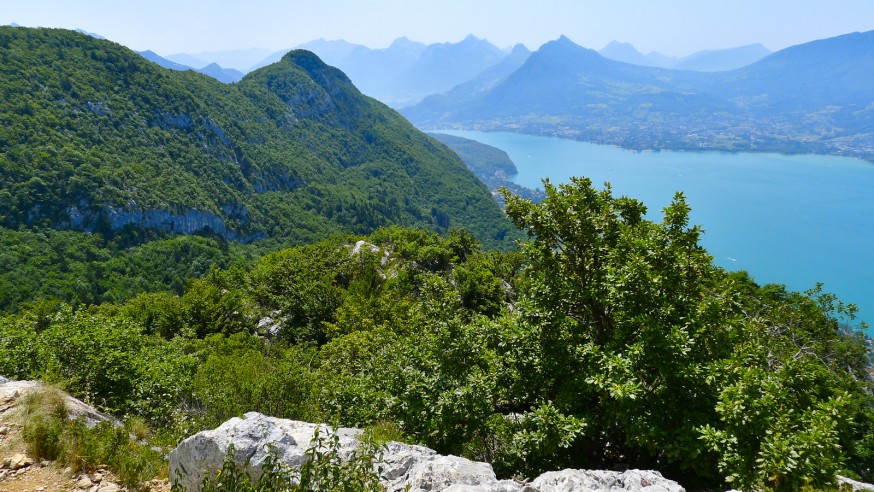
<point x="401" y="467"/>
<point x="187" y="222"/>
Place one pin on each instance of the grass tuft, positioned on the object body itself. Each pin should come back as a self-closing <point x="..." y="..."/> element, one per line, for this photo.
<point x="49" y="435"/>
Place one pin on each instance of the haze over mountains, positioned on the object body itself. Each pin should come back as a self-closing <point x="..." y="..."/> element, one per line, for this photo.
<point x="808" y="98"/>
<point x="815" y="97"/>
<point x="701" y="61"/>
<point x="406" y="72"/>
<point x="214" y="70"/>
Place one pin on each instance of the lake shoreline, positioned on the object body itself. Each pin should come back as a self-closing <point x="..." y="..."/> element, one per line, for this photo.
<point x="785" y="218"/>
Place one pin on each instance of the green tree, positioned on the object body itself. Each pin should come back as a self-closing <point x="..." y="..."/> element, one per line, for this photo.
<point x="793" y="407"/>
<point x="625" y="323"/>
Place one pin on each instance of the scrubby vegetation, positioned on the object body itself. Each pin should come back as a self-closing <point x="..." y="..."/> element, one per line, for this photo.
<point x="606" y="340"/>
<point x="50" y="435"/>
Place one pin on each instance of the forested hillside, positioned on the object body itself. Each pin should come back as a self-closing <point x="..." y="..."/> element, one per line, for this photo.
<point x="103" y="152"/>
<point x="95" y="138"/>
<point x="608" y="341"/>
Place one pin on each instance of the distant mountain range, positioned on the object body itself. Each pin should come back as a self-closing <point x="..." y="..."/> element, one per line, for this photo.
<point x="627" y="53"/>
<point x="400" y="75"/>
<point x="441" y="67"/>
<point x="95" y="36"/>
<point x="723" y="60"/>
<point x="406" y="72"/>
<point x="808" y="98"/>
<point x="702" y="61"/>
<point x="242" y="60"/>
<point x="224" y="75"/>
<point x="814" y="97"/>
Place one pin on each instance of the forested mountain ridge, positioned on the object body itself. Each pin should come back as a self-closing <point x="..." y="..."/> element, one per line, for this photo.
<point x="407" y="71"/>
<point x="93" y="137"/>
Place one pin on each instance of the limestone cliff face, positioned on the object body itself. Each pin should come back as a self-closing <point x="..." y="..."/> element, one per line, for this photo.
<point x="188" y="222"/>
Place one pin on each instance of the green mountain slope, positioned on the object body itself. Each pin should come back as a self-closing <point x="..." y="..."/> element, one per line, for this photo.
<point x="95" y="138"/>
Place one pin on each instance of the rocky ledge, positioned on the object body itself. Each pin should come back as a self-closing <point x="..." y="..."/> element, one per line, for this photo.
<point x="402" y="467"/>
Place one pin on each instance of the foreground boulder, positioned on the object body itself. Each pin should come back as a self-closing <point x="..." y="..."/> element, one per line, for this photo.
<point x="573" y="480"/>
<point x="402" y="466"/>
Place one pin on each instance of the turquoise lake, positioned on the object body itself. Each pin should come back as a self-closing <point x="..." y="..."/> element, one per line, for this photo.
<point x="789" y="219"/>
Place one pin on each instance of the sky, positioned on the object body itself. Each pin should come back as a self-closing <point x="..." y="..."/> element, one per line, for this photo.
<point x="671" y="27"/>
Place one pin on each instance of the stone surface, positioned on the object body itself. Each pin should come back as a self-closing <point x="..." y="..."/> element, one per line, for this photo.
<point x="422" y="469"/>
<point x="205" y="451"/>
<point x="597" y="480"/>
<point x="856" y="486"/>
<point x="10" y="391"/>
<point x="84" y="482"/>
<point x="17" y="461"/>
<point x="109" y="487"/>
<point x="402" y="467"/>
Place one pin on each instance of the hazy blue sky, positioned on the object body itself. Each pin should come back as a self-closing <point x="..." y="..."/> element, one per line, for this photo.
<point x="673" y="27"/>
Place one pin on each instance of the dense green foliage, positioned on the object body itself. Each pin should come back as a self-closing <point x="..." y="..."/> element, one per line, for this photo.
<point x="94" y="137"/>
<point x="45" y="266"/>
<point x="607" y="340"/>
<point x="480" y="158"/>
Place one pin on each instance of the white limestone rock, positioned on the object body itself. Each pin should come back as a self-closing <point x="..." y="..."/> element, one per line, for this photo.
<point x="11" y="391"/>
<point x="601" y="480"/>
<point x="251" y="436"/>
<point x="402" y="467"/>
<point x="855" y="485"/>
<point x="422" y="469"/>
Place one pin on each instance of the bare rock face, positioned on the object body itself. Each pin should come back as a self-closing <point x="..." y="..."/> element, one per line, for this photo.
<point x="844" y="483"/>
<point x="205" y="452"/>
<point x="401" y="467"/>
<point x="418" y="469"/>
<point x="573" y="480"/>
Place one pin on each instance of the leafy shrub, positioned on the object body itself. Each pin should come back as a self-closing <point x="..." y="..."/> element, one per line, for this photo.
<point x="238" y="376"/>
